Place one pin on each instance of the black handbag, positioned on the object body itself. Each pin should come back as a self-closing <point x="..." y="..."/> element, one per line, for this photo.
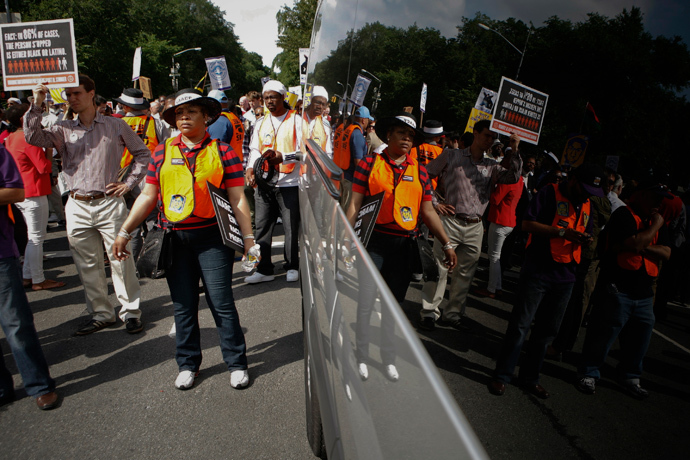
<point x="427" y="260"/>
<point x="156" y="254"/>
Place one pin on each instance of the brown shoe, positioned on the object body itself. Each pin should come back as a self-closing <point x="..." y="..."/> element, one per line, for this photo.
<point x="47" y="401"/>
<point x="497" y="387"/>
<point x="484" y="293"/>
<point x="537" y="390"/>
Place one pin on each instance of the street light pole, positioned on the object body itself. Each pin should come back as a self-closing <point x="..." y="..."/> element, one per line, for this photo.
<point x="174" y="70"/>
<point x="522" y="53"/>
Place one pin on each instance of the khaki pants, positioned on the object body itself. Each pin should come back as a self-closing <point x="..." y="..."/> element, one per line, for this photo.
<point x="90" y="224"/>
<point x="467" y="239"/>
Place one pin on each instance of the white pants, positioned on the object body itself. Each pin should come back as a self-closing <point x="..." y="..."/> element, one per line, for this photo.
<point x="35" y="212"/>
<point x="497" y="235"/>
<point x="90" y="224"/>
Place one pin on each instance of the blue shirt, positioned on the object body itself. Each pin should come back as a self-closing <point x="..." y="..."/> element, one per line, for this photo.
<point x="358" y="149"/>
<point x="9" y="178"/>
<point x="221" y="129"/>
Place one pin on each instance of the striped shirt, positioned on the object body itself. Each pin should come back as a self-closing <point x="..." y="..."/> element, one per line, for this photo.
<point x="360" y="184"/>
<point x="91" y="155"/>
<point x="468" y="184"/>
<point x="232" y="177"/>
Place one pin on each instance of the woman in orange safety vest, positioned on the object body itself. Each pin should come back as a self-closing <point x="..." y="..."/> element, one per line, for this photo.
<point x="177" y="179"/>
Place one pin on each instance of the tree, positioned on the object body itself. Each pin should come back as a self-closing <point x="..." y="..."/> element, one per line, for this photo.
<point x="294" y="32"/>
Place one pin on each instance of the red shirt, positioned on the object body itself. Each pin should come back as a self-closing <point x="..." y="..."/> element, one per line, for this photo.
<point x="32" y="163"/>
<point x="503" y="201"/>
<point x="233" y="176"/>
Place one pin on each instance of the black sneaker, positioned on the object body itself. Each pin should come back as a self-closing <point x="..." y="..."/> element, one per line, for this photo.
<point x="427" y="323"/>
<point x="587" y="385"/>
<point x="134" y="325"/>
<point x="93" y="326"/>
<point x="460" y="325"/>
<point x="635" y="390"/>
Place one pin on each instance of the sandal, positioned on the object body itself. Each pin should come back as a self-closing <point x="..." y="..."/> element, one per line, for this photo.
<point x="47" y="284"/>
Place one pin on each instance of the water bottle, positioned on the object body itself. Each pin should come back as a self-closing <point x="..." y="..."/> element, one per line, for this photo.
<point x="250" y="261"/>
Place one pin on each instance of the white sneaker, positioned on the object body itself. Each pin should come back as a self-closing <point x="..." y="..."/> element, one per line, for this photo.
<point x="392" y="373"/>
<point x="258" y="278"/>
<point x="363" y="371"/>
<point x="239" y="379"/>
<point x="52" y="218"/>
<point x="292" y="276"/>
<point x="185" y="380"/>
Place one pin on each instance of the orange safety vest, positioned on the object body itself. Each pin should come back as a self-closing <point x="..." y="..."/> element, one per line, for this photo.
<point x="237" y="133"/>
<point x="342" y="155"/>
<point x="424" y="154"/>
<point x="337" y="134"/>
<point x="565" y="251"/>
<point x="628" y="260"/>
<point x="286" y="142"/>
<point x="401" y="201"/>
<point x="184" y="193"/>
<point x="150" y="139"/>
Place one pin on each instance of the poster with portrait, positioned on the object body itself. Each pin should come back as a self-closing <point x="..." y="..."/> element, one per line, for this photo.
<point x="39" y="52"/>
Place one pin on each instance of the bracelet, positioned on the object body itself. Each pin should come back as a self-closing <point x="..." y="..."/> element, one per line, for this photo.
<point x="248" y="237"/>
<point x="123" y="233"/>
<point x="448" y="245"/>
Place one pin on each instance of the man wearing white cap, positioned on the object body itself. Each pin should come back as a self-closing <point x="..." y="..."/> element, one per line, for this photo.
<point x="276" y="140"/>
<point x="314" y="126"/>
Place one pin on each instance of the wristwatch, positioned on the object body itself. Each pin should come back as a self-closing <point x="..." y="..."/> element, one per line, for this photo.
<point x="561" y="232"/>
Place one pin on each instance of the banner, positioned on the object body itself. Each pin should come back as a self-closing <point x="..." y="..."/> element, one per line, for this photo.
<point x="366" y="219"/>
<point x="359" y="91"/>
<point x="575" y="149"/>
<point x="218" y="73"/>
<point x="422" y="101"/>
<point x="303" y="65"/>
<point x="227" y="224"/>
<point x="136" y="65"/>
<point x="145" y="85"/>
<point x="520" y="110"/>
<point x="38" y="52"/>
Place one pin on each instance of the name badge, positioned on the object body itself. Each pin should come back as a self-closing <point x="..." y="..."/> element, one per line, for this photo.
<point x="407" y="178"/>
<point x="177" y="161"/>
<point x="562" y="223"/>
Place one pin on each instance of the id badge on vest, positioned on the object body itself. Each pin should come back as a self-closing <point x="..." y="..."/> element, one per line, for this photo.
<point x="267" y="140"/>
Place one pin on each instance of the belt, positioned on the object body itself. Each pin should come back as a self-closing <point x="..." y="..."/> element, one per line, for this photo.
<point x="468" y="220"/>
<point x="97" y="196"/>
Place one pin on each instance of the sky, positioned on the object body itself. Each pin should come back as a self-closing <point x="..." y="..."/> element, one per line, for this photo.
<point x="255" y="22"/>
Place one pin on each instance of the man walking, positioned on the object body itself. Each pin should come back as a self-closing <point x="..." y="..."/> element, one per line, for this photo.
<point x="91" y="147"/>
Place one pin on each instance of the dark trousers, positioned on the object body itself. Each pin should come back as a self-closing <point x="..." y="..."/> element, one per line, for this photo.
<point x="280" y="202"/>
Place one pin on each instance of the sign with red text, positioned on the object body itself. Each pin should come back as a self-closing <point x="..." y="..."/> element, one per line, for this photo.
<point x="39" y="52"/>
<point x="520" y="110"/>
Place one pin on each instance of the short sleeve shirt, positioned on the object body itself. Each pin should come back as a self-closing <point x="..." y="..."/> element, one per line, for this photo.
<point x="10" y="177"/>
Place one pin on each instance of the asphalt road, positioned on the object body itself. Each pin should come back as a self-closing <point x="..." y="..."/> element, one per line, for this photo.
<point x="118" y="399"/>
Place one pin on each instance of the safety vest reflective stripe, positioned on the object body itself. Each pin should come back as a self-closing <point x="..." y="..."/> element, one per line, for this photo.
<point x="401" y="201"/>
<point x="342" y="155"/>
<point x="628" y="260"/>
<point x="284" y="140"/>
<point x="184" y="193"/>
<point x="237" y="133"/>
<point x="150" y="139"/>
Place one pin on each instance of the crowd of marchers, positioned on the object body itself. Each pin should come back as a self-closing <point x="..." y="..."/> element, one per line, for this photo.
<point x="592" y="246"/>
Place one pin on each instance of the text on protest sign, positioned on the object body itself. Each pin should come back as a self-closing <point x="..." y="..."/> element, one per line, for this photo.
<point x="366" y="219"/>
<point x="218" y="73"/>
<point x="227" y="224"/>
<point x="520" y="110"/>
<point x="39" y="52"/>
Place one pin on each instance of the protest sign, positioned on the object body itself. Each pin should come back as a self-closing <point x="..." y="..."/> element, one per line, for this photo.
<point x="575" y="149"/>
<point x="303" y="65"/>
<point x="145" y="85"/>
<point x="308" y="93"/>
<point x="38" y="52"/>
<point x="227" y="224"/>
<point x="520" y="110"/>
<point x="482" y="108"/>
<point x="368" y="213"/>
<point x="264" y="80"/>
<point x="359" y="91"/>
<point x="218" y="71"/>
<point x="422" y="101"/>
<point x="136" y="65"/>
<point x="612" y="162"/>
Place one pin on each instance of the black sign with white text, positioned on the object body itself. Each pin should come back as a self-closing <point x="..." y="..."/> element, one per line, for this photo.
<point x="229" y="228"/>
<point x="366" y="219"/>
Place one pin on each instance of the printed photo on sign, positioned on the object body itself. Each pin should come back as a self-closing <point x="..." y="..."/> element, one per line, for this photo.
<point x="520" y="110"/>
<point x="486" y="101"/>
<point x="39" y="52"/>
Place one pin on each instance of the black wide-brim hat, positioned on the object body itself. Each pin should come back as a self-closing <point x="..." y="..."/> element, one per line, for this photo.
<point x="401" y="119"/>
<point x="432" y="128"/>
<point x="188" y="96"/>
<point x="134" y="98"/>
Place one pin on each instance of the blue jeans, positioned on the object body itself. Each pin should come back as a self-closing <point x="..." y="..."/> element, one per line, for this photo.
<point x="280" y="202"/>
<point x="18" y="324"/>
<point x="632" y="321"/>
<point x="201" y="254"/>
<point x="545" y="303"/>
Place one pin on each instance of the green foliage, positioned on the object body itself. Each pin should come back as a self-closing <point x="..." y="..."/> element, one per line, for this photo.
<point x="294" y="32"/>
<point x="108" y="31"/>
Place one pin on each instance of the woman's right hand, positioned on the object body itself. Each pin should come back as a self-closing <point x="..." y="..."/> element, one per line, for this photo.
<point x="250" y="180"/>
<point x="119" y="249"/>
